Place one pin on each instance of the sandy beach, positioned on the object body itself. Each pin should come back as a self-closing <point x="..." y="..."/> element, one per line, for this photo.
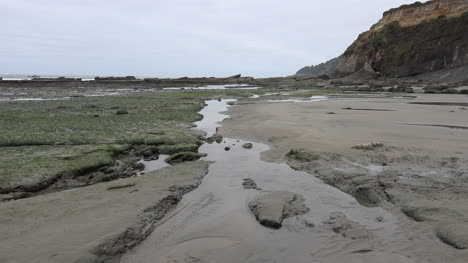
<point x="410" y="159"/>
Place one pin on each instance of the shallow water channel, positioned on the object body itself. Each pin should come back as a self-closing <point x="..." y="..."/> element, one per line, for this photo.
<point x="214" y="224"/>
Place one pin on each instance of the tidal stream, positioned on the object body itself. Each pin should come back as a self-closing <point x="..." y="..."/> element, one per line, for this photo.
<point x="214" y="224"/>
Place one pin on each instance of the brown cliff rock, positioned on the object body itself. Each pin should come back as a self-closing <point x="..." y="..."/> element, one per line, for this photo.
<point x="411" y="40"/>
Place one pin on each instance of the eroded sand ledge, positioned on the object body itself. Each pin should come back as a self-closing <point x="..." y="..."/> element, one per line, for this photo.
<point x="416" y="163"/>
<point x="94" y="223"/>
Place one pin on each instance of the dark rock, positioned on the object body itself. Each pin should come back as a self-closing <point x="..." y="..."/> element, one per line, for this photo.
<point x="138" y="166"/>
<point x="247" y="145"/>
<point x="121" y="112"/>
<point x="249" y="183"/>
<point x="147" y="153"/>
<point x="235" y="76"/>
<point x="115" y="78"/>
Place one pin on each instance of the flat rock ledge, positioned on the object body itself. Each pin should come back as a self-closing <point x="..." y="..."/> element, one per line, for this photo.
<point x="271" y="207"/>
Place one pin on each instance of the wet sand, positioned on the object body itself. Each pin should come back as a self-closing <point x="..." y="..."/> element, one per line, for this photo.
<point x="422" y="167"/>
<point x="307" y="125"/>
<point x="215" y="225"/>
<point x="67" y="226"/>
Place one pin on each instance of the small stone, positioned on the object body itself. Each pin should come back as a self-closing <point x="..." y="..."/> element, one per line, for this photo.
<point x="138" y="166"/>
<point x="247" y="145"/>
<point x="249" y="183"/>
<point x="308" y="224"/>
<point x="147" y="153"/>
<point x="227" y="148"/>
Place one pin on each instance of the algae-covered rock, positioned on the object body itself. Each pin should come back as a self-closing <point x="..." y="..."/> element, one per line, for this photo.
<point x="302" y="155"/>
<point x="121" y="112"/>
<point x="247" y="145"/>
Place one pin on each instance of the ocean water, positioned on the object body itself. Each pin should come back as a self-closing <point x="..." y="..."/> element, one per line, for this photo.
<point x="29" y="77"/>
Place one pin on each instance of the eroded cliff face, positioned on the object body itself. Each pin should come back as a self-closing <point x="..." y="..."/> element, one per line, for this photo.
<point x="411" y="40"/>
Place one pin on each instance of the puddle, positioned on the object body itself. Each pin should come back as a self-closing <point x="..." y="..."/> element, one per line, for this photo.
<point x="311" y="99"/>
<point x="438" y="126"/>
<point x="154" y="165"/>
<point x="436" y="103"/>
<point x="256" y="96"/>
<point x="214" y="224"/>
<point x="217" y="87"/>
<point x="212" y="115"/>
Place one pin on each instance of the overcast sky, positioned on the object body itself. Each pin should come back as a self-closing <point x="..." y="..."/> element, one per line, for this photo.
<point x="176" y="38"/>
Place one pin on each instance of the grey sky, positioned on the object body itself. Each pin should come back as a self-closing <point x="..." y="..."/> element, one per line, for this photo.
<point x="175" y="38"/>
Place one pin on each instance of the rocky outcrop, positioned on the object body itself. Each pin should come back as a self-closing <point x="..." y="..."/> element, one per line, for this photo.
<point x="411" y="40"/>
<point x="326" y="68"/>
<point x="127" y="78"/>
<point x="236" y="79"/>
<point x="271" y="207"/>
